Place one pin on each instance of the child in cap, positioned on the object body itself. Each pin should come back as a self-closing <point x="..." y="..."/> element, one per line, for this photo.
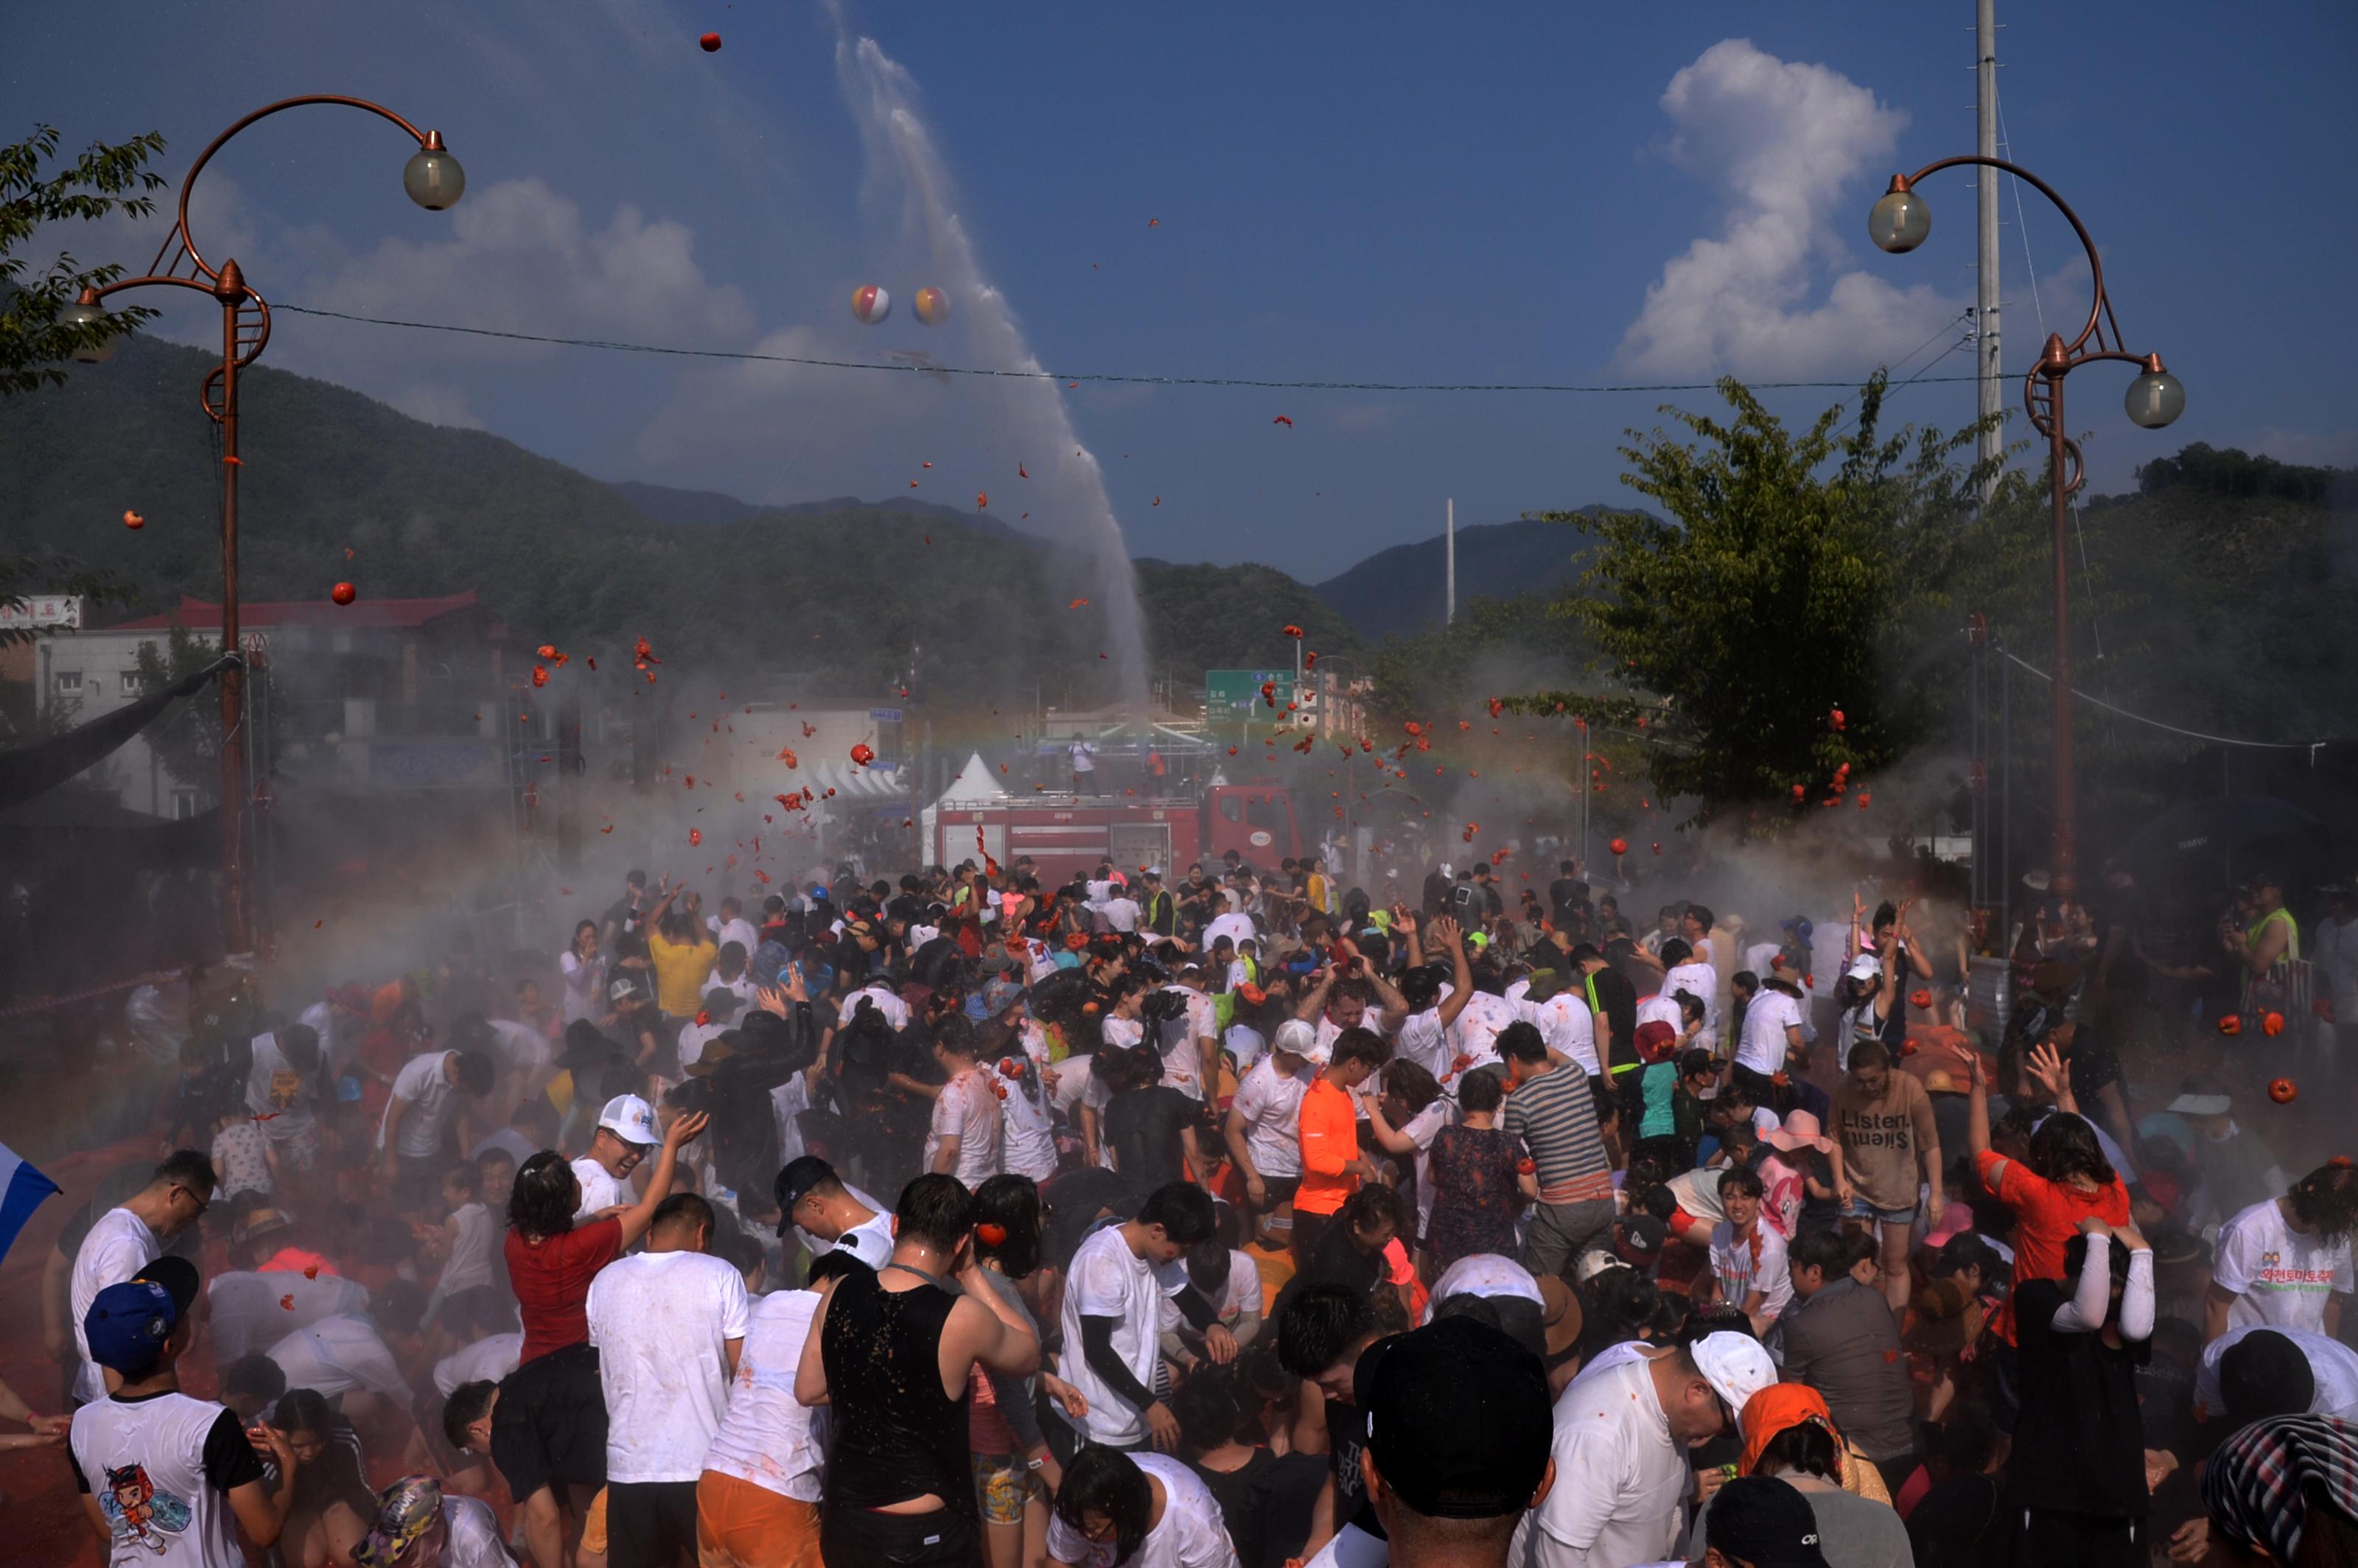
<point x="167" y="1478"/>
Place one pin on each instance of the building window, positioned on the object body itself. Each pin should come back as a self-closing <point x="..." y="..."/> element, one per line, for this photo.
<point x="134" y="683"/>
<point x="68" y="681"/>
<point x="186" y="804"/>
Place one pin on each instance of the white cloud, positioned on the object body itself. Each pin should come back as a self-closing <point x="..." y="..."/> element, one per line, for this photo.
<point x="1785" y="145"/>
<point x="520" y="257"/>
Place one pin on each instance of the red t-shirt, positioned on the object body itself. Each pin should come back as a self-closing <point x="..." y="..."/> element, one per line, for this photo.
<point x="552" y="1282"/>
<point x="2048" y="1217"/>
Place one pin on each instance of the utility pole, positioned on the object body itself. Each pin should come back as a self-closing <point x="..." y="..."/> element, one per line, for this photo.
<point x="1449" y="550"/>
<point x="1986" y="304"/>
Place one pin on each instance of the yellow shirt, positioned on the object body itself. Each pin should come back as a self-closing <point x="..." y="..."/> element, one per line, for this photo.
<point x="680" y="972"/>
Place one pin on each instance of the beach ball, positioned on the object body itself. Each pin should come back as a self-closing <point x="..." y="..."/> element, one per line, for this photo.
<point x="932" y="306"/>
<point x="870" y="304"/>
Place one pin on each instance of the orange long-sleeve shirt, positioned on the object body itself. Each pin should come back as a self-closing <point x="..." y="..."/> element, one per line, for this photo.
<point x="1330" y="1145"/>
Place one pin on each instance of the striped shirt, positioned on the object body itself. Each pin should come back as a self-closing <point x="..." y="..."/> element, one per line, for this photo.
<point x="1555" y="1117"/>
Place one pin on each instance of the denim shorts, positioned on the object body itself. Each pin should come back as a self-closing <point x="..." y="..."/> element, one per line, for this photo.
<point x="1859" y="1208"/>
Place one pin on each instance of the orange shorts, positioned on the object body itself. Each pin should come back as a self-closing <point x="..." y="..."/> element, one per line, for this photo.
<point x="593" y="1525"/>
<point x="741" y="1525"/>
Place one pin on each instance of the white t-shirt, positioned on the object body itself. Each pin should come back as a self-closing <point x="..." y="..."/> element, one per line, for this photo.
<point x="1423" y="1041"/>
<point x="520" y="1048"/>
<point x="1107" y="1280"/>
<point x="1660" y="1009"/>
<point x="487" y="1361"/>
<point x="967" y="1110"/>
<point x="184" y="1520"/>
<point x="660" y="1321"/>
<point x="118" y="1246"/>
<point x="693" y="1037"/>
<point x="739" y="931"/>
<point x="895" y="1010"/>
<point x="337" y="1356"/>
<point x="1739" y="1275"/>
<point x="1245" y="1044"/>
<point x="1563" y="1022"/>
<point x="1233" y="926"/>
<point x="2333" y="1366"/>
<point x="1763" y="1047"/>
<point x="1119" y="914"/>
<point x="2279" y="1278"/>
<point x="1270" y="1103"/>
<point x="600" y="1190"/>
<point x="470" y="1263"/>
<point x="1702" y="981"/>
<point x="1027" y="1134"/>
<point x="433" y="1100"/>
<point x="1421" y="1130"/>
<point x="1242" y="1293"/>
<point x="1478" y="1026"/>
<point x="1484" y="1274"/>
<point x="788" y="1103"/>
<point x="275" y="1089"/>
<point x="1191" y="1533"/>
<point x="768" y="1436"/>
<point x="584" y="986"/>
<point x="1630" y="1479"/>
<point x="247" y="1311"/>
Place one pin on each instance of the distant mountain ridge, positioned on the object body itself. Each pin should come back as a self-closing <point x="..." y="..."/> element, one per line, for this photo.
<point x="1402" y="591"/>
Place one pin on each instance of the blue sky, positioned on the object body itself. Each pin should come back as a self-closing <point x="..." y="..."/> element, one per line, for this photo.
<point x="1373" y="192"/>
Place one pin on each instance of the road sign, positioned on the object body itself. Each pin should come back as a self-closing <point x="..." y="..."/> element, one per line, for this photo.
<point x="1234" y="695"/>
<point x="885" y="715"/>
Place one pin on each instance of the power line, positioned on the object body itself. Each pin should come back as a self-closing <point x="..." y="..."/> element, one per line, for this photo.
<point x="1104" y="378"/>
<point x="2312" y="747"/>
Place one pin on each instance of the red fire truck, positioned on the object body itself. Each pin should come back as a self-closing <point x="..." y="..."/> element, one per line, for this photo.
<point x="1068" y="834"/>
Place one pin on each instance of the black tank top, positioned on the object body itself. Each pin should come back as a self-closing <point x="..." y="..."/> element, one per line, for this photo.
<point x="897" y="1436"/>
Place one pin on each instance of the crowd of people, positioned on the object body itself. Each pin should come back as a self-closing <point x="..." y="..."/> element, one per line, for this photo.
<point x="1226" y="1219"/>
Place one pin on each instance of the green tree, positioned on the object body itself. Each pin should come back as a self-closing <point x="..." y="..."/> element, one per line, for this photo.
<point x="34" y="343"/>
<point x="1797" y="575"/>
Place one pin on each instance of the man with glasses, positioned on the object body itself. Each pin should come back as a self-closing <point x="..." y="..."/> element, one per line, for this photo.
<point x="126" y="1240"/>
<point x="1622" y="1431"/>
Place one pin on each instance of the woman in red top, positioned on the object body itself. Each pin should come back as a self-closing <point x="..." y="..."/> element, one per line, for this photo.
<point x="2065" y="1179"/>
<point x="549" y="1427"/>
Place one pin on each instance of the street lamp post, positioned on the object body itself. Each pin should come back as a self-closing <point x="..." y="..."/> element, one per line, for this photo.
<point x="1898" y="223"/>
<point x="435" y="182"/>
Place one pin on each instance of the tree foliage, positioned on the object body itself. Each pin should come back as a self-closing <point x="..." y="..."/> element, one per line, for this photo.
<point x="33" y="343"/>
<point x="186" y="740"/>
<point x="1796" y="576"/>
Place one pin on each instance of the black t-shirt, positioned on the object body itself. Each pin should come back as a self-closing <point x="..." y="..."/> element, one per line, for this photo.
<point x="1958" y="1524"/>
<point x="1336" y="1260"/>
<point x="1295" y="1483"/>
<point x="1619" y="1000"/>
<point x="1568" y="898"/>
<point x="2079" y="1445"/>
<point x="1347" y="1433"/>
<point x="1244" y="1498"/>
<point x="1143" y="1128"/>
<point x="2094" y="1064"/>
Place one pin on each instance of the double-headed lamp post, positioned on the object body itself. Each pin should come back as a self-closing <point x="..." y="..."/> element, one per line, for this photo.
<point x="434" y="180"/>
<point x="1899" y="222"/>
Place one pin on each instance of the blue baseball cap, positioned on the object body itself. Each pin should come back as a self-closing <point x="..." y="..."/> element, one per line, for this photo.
<point x="127" y="1325"/>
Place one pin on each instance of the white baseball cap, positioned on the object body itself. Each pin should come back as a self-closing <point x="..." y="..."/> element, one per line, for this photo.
<point x="630" y="1119"/>
<point x="1737" y="1367"/>
<point x="1296" y="1036"/>
<point x="1866" y="966"/>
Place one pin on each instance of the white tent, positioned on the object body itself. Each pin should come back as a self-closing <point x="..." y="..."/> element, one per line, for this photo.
<point x="976" y="784"/>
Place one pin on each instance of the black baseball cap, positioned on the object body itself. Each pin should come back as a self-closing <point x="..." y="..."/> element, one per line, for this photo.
<point x="176" y="1275"/>
<point x="800" y="1176"/>
<point x="2265" y="1373"/>
<point x="1766" y="1522"/>
<point x="1458" y="1418"/>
